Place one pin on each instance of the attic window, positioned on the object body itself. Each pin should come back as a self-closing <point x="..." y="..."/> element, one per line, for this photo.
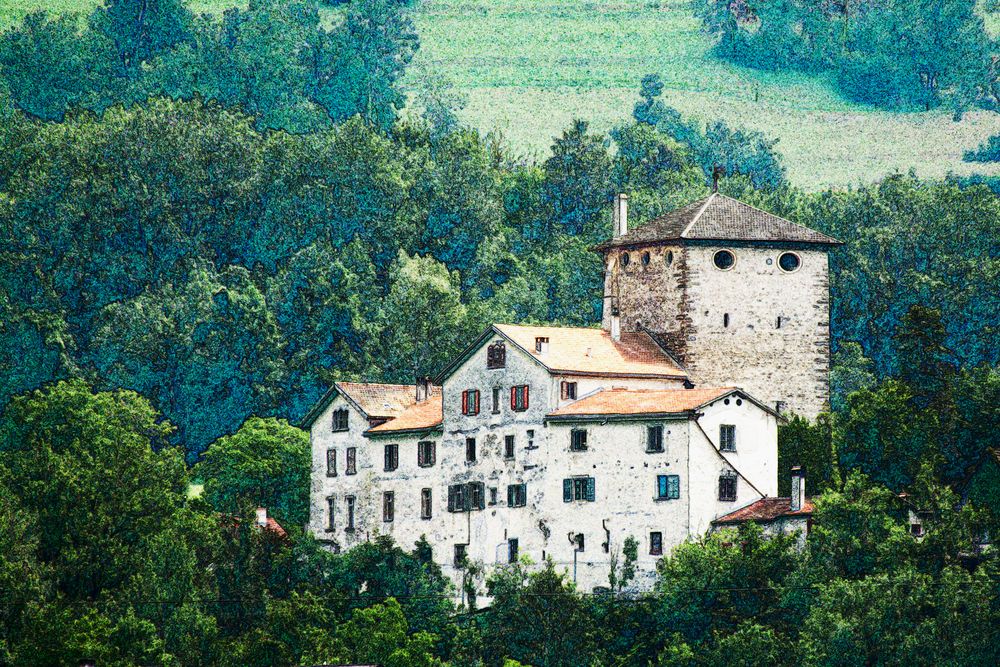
<point x="541" y="344"/>
<point x="496" y="355"/>
<point x="625" y="259"/>
<point x="669" y="257"/>
<point x="789" y="262"/>
<point x="724" y="260"/>
<point x="645" y="258"/>
<point x="340" y="420"/>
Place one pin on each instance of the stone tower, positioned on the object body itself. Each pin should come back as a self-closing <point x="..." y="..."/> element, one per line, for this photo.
<point x="737" y="295"/>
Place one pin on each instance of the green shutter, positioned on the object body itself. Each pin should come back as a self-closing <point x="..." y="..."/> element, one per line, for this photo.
<point x="567" y="490"/>
<point x="674" y="486"/>
<point x="510" y="495"/>
<point x="590" y="489"/>
<point x="451" y="498"/>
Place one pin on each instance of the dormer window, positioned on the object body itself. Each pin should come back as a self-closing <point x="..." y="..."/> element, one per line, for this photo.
<point x="496" y="355"/>
<point x="340" y="419"/>
<point x="541" y="344"/>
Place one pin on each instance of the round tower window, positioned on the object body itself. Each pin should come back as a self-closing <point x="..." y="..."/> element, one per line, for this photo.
<point x="645" y="258"/>
<point x="789" y="261"/>
<point x="724" y="260"/>
<point x="625" y="259"/>
<point x="669" y="259"/>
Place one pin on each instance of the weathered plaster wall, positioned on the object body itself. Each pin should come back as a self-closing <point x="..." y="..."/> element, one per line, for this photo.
<point x="687" y="302"/>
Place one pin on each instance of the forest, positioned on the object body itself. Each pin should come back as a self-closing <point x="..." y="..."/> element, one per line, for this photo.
<point x="206" y="221"/>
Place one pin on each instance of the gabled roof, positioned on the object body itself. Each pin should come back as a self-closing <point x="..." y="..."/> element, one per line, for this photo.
<point x="719" y="218"/>
<point x="422" y="416"/>
<point x="624" y="402"/>
<point x="581" y="351"/>
<point x="374" y="400"/>
<point x="764" y="510"/>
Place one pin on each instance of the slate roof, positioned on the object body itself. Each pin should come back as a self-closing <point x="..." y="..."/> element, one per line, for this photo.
<point x="420" y="416"/>
<point x="765" y="510"/>
<point x="642" y="401"/>
<point x="719" y="218"/>
<point x="594" y="351"/>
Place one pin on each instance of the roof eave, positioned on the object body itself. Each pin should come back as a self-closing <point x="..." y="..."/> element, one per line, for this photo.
<point x="617" y="416"/>
<point x="370" y="433"/>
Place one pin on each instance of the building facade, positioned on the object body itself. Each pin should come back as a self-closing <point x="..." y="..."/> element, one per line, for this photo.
<point x="560" y="442"/>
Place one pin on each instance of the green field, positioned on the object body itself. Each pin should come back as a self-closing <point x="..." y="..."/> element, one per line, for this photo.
<point x="528" y="67"/>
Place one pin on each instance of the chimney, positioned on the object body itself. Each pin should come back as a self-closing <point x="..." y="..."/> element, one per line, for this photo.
<point x="423" y="389"/>
<point x="261" y="516"/>
<point x="616" y="327"/>
<point x="541" y="345"/>
<point x="619" y="215"/>
<point x="798" y="489"/>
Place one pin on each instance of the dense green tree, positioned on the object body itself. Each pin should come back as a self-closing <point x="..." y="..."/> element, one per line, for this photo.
<point x="265" y="463"/>
<point x="810" y="445"/>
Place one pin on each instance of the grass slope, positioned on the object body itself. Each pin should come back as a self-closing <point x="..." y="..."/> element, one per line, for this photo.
<point x="528" y="67"/>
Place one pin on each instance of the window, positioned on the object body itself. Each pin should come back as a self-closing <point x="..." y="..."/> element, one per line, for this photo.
<point x="568" y="390"/>
<point x="425" y="453"/>
<point x="352" y="461"/>
<point x="493" y="495"/>
<point x="669" y="258"/>
<point x="349" y="501"/>
<point x="725" y="320"/>
<point x="541" y="344"/>
<point x="789" y="262"/>
<point x="512" y="550"/>
<point x="460" y="557"/>
<point x="331" y="510"/>
<point x="578" y="440"/>
<point x="470" y="402"/>
<point x="625" y="259"/>
<point x="508" y="446"/>
<point x="654" y="438"/>
<point x="457" y="498"/>
<point x="497" y="391"/>
<point x="727" y="437"/>
<point x="656" y="543"/>
<point x="668" y="487"/>
<point x="580" y="542"/>
<point x="477" y="495"/>
<point x="388" y="506"/>
<point x="331" y="463"/>
<point x="519" y="398"/>
<point x="426" y="507"/>
<point x="727" y="487"/>
<point x="645" y="259"/>
<point x="578" y="488"/>
<point x="470" y="450"/>
<point x="724" y="260"/>
<point x="917" y="529"/>
<point x="496" y="355"/>
<point x="777" y="323"/>
<point x="391" y="457"/>
<point x="517" y="495"/>
<point x="340" y="420"/>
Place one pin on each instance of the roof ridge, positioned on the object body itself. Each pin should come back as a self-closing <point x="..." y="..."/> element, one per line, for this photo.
<point x="708" y="200"/>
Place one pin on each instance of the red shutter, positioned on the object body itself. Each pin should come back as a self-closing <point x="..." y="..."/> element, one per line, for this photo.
<point x="476" y="409"/>
<point x="465" y="402"/>
<point x="525" y="397"/>
<point x="513" y="398"/>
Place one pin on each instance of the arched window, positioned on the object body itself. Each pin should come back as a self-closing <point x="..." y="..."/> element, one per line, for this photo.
<point x="496" y="355"/>
<point x="724" y="260"/>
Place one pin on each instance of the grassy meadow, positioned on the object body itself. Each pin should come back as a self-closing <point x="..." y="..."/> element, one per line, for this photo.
<point x="528" y="67"/>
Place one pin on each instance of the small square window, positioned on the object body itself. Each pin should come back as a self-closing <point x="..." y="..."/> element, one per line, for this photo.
<point x="656" y="543"/>
<point x="727" y="487"/>
<point x="517" y="495"/>
<point x="668" y="487"/>
<point x="460" y="555"/>
<point x="470" y="450"/>
<point x="578" y="440"/>
<point x="568" y="390"/>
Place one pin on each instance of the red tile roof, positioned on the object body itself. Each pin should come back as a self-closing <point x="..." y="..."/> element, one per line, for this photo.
<point x="641" y="401"/>
<point x="419" y="416"/>
<point x="764" y="510"/>
<point x="380" y="400"/>
<point x="593" y="351"/>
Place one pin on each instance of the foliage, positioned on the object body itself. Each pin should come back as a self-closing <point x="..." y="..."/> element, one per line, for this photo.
<point x="810" y="445"/>
<point x="265" y="463"/>
<point x="989" y="151"/>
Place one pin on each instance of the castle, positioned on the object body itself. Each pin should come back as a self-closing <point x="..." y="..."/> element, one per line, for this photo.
<point x="561" y="442"/>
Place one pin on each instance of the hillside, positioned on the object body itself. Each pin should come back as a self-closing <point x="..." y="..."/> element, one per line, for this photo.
<point x="527" y="68"/>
